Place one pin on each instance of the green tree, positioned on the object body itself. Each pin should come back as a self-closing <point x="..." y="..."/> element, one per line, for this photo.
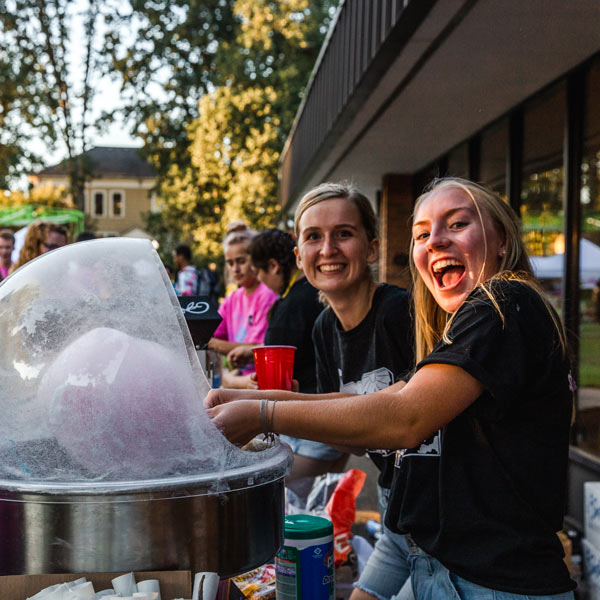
<point x="165" y="55"/>
<point x="38" y="99"/>
<point x="229" y="163"/>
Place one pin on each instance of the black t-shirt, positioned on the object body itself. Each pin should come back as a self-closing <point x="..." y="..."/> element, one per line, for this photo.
<point x="372" y="356"/>
<point x="486" y="494"/>
<point x="291" y="321"/>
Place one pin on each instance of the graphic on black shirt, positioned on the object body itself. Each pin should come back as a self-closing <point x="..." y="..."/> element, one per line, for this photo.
<point x="430" y="447"/>
<point x="370" y="382"/>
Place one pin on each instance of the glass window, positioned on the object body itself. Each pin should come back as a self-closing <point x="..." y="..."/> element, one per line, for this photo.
<point x="493" y="157"/>
<point x="98" y="204"/>
<point x="458" y="161"/>
<point x="542" y="193"/>
<point x="118" y="208"/>
<point x="588" y="419"/>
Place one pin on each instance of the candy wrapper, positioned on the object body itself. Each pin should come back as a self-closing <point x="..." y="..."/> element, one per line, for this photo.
<point x="258" y="584"/>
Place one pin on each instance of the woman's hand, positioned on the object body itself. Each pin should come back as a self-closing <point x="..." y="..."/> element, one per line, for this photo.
<point x="240" y="355"/>
<point x="237" y="420"/>
<point x="222" y="396"/>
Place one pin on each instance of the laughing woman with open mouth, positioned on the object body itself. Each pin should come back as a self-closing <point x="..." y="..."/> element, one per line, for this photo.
<point x="483" y="424"/>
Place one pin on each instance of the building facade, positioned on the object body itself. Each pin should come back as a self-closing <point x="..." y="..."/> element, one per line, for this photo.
<point x="118" y="191"/>
<point x="504" y="93"/>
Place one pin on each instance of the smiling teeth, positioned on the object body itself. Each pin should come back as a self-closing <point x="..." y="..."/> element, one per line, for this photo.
<point x="329" y="268"/>
<point x="442" y="264"/>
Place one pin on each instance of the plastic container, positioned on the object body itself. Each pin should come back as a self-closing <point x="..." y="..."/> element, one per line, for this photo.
<point x="274" y="367"/>
<point x="304" y="565"/>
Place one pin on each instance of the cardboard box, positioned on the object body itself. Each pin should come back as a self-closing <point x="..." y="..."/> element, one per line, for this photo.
<point x="173" y="584"/>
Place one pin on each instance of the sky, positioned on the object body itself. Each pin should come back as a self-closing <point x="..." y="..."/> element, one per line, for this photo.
<point x="106" y="98"/>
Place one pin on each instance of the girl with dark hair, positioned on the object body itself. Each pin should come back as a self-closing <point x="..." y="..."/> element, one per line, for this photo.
<point x="483" y="424"/>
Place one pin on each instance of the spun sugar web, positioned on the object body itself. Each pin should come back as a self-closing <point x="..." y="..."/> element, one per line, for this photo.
<point x="99" y="378"/>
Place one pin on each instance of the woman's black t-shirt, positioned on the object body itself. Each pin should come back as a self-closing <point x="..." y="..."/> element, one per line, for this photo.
<point x="486" y="494"/>
<point x="375" y="354"/>
<point x="291" y="322"/>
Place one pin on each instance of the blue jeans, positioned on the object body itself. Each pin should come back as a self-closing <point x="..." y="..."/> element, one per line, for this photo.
<point x="387" y="572"/>
<point x="432" y="581"/>
<point x="310" y="449"/>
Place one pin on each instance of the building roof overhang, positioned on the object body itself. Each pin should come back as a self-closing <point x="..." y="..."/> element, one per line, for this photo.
<point x="464" y="64"/>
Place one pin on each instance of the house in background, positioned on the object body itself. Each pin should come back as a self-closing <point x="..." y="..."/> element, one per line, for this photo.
<point x="118" y="192"/>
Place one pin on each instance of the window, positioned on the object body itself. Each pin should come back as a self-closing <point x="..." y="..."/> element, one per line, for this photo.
<point x="493" y="157"/>
<point x="117" y="204"/>
<point x="588" y="414"/>
<point x="458" y="162"/>
<point x="542" y="192"/>
<point x="98" y="209"/>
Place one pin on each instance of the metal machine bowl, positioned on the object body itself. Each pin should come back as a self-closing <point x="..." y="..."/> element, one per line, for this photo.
<point x="168" y="524"/>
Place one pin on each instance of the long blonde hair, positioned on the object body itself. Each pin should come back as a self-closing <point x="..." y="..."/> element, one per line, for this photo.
<point x="432" y="323"/>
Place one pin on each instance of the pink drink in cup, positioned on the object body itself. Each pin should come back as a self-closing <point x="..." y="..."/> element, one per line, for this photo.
<point x="274" y="367"/>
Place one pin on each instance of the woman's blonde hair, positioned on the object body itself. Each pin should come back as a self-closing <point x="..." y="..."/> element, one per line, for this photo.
<point x="332" y="191"/>
<point x="432" y="323"/>
<point x="237" y="233"/>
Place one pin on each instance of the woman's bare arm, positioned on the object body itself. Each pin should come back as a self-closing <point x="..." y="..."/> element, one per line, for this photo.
<point x="386" y="419"/>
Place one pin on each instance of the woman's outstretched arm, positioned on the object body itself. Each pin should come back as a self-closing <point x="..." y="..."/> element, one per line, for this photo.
<point x="396" y="418"/>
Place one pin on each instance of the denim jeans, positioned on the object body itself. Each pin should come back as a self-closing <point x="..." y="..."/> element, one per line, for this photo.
<point x="387" y="572"/>
<point x="432" y="581"/>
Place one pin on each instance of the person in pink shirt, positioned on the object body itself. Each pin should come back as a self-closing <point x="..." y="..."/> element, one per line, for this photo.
<point x="7" y="244"/>
<point x="244" y="312"/>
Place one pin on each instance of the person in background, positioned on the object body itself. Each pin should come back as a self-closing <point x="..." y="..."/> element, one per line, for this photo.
<point x="483" y="424"/>
<point x="41" y="238"/>
<point x="85" y="236"/>
<point x="191" y="281"/>
<point x="187" y="275"/>
<point x="7" y="244"/>
<point x="244" y="312"/>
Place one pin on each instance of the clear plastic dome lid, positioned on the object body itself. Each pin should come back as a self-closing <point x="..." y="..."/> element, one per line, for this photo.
<point x="99" y="379"/>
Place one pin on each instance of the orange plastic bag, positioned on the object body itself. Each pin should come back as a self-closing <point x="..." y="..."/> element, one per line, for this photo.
<point x="341" y="509"/>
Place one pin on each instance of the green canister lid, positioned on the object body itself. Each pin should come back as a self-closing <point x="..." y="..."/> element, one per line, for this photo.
<point x="305" y="527"/>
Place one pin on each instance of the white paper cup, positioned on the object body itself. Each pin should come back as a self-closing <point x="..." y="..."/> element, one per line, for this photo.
<point x="83" y="591"/>
<point x="76" y="582"/>
<point x="149" y="586"/>
<point x="104" y="594"/>
<point x="124" y="585"/>
<point x="210" y="586"/>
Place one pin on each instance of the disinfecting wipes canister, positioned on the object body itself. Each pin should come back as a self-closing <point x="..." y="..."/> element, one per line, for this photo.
<point x="304" y="565"/>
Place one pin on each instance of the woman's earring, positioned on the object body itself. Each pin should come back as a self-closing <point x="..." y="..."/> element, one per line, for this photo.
<point x="503" y="253"/>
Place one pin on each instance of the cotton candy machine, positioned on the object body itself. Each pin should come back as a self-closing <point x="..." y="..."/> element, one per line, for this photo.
<point x="108" y="461"/>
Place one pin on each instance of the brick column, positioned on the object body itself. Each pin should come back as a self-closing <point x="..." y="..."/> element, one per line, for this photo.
<point x="395" y="213"/>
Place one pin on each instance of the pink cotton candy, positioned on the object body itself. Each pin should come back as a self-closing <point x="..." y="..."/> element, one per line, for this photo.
<point x="121" y="404"/>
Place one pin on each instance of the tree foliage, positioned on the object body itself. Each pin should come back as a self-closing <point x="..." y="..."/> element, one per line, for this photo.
<point x="47" y="195"/>
<point x="38" y="97"/>
<point x="223" y="164"/>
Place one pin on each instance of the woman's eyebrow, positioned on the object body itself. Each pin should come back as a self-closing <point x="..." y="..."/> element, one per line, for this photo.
<point x="449" y="213"/>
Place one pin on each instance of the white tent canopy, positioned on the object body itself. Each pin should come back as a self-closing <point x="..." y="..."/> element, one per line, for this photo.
<point x="551" y="267"/>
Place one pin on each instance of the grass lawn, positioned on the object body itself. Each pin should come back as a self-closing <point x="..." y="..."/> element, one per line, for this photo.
<point x="589" y="355"/>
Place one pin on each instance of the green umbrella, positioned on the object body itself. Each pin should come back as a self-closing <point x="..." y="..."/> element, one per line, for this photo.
<point x="21" y="216"/>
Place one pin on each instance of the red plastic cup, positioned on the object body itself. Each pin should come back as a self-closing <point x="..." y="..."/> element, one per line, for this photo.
<point x="274" y="367"/>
